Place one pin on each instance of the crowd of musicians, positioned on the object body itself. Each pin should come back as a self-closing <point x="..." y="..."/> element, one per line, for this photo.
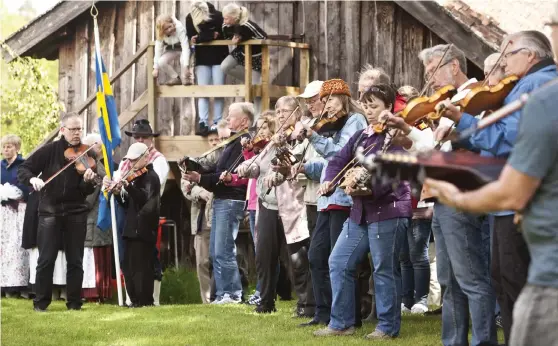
<point x="359" y="249"/>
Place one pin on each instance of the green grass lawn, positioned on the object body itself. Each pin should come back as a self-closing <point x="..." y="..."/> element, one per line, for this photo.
<point x="183" y="325"/>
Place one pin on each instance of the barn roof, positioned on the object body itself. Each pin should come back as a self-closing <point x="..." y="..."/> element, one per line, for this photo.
<point x="477" y="33"/>
<point x="40" y="36"/>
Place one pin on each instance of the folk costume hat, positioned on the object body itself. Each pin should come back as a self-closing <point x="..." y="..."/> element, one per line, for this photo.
<point x="142" y="128"/>
<point x="334" y="87"/>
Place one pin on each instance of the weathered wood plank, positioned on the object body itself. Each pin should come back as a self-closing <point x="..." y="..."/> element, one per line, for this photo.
<point x="66" y="73"/>
<point x="309" y="25"/>
<point x="398" y="48"/>
<point x="433" y="16"/>
<point x="285" y="56"/>
<point x="176" y="147"/>
<point x="145" y="13"/>
<point x="248" y="74"/>
<point x="265" y="78"/>
<point x="166" y="91"/>
<point x="350" y="54"/>
<point x="119" y="48"/>
<point x="127" y="81"/>
<point x="334" y="35"/>
<point x="412" y="34"/>
<point x="368" y="33"/>
<point x="184" y="112"/>
<point x="271" y="27"/>
<point x="22" y="42"/>
<point x="385" y="44"/>
<point x="81" y="70"/>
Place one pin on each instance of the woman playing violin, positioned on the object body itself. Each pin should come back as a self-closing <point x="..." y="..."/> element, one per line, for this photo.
<point x="281" y="215"/>
<point x="377" y="223"/>
<point x="332" y="210"/>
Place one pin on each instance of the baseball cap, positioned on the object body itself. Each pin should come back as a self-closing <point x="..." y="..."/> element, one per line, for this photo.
<point x="312" y="89"/>
<point x="135" y="151"/>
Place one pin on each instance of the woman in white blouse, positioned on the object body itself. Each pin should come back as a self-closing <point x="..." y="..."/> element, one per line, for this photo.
<point x="171" y="43"/>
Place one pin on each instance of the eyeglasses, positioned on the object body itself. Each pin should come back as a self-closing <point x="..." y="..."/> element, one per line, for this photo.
<point x="428" y="75"/>
<point x="513" y="52"/>
<point x="74" y="130"/>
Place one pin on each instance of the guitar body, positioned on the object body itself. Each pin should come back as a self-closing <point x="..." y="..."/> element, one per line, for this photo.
<point x="465" y="170"/>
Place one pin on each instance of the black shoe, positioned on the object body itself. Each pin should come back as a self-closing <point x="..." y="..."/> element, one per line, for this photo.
<point x="312" y="322"/>
<point x="203" y="130"/>
<point x="438" y="311"/>
<point x="285" y="297"/>
<point x="304" y="312"/>
<point x="262" y="309"/>
<point x="38" y="309"/>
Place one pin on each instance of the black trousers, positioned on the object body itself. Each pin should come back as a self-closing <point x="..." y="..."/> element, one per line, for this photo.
<point x="271" y="239"/>
<point x="53" y="230"/>
<point x="138" y="271"/>
<point x="328" y="227"/>
<point x="312" y="216"/>
<point x="509" y="267"/>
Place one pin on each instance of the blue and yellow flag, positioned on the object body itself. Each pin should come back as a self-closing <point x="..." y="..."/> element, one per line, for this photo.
<point x="109" y="129"/>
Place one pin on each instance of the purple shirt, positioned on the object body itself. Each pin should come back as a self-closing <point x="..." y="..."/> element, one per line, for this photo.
<point x="385" y="202"/>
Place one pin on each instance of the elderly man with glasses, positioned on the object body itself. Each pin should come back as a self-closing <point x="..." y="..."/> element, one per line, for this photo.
<point x="62" y="212"/>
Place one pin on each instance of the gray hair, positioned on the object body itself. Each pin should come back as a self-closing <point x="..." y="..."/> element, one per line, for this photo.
<point x="291" y="102"/>
<point x="426" y="55"/>
<point x="377" y="74"/>
<point x="490" y="61"/>
<point x="67" y="116"/>
<point x="91" y="139"/>
<point x="246" y="108"/>
<point x="534" y="41"/>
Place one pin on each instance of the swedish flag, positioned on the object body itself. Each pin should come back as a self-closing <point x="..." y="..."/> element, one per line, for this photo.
<point x="109" y="130"/>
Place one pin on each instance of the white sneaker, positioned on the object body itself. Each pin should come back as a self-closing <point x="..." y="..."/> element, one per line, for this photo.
<point x="228" y="299"/>
<point x="216" y="301"/>
<point x="419" y="308"/>
<point x="404" y="309"/>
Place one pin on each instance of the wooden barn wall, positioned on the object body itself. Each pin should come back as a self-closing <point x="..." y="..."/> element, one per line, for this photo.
<point x="344" y="36"/>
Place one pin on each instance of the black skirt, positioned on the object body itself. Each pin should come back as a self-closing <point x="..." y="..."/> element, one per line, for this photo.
<point x="238" y="55"/>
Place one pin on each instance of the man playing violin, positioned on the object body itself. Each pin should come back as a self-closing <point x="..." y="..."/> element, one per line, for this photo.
<point x="228" y="208"/>
<point x="529" y="57"/>
<point x="62" y="212"/>
<point x="141" y="202"/>
<point x="528" y="184"/>
<point x="143" y="133"/>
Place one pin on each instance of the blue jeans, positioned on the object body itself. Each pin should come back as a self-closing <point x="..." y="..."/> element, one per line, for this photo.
<point x="384" y="240"/>
<point x="227" y="215"/>
<point x="210" y="75"/>
<point x="463" y="269"/>
<point x="415" y="266"/>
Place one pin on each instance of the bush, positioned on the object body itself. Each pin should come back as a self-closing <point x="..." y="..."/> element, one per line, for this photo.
<point x="180" y="286"/>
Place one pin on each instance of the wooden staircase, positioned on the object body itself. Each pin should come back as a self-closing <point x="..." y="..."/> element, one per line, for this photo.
<point x="175" y="147"/>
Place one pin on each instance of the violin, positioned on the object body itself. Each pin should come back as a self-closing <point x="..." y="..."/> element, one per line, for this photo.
<point x="258" y="143"/>
<point x="483" y="97"/>
<point x="78" y="155"/>
<point x="421" y="107"/>
<point x="129" y="177"/>
<point x="357" y="179"/>
<point x="330" y="124"/>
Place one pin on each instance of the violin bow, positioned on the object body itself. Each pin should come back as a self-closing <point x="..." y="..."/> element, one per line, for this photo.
<point x="130" y="171"/>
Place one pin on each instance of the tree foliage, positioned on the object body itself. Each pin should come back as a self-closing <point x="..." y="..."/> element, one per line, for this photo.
<point x="29" y="105"/>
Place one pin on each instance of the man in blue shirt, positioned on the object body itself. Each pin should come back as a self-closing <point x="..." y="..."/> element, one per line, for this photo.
<point x="528" y="56"/>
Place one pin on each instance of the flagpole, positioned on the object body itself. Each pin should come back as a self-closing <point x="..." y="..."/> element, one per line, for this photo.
<point x="94" y="13"/>
<point x="116" y="252"/>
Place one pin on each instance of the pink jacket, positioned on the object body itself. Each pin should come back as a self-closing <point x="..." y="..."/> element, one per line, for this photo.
<point x="252" y="195"/>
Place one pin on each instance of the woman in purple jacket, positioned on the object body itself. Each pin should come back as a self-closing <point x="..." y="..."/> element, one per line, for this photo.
<point x="377" y="223"/>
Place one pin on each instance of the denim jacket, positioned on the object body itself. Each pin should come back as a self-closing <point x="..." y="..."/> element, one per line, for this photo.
<point x="328" y="147"/>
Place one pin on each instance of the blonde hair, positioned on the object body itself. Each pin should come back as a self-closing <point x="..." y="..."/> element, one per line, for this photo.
<point x="13" y="140"/>
<point x="200" y="13"/>
<point x="408" y="92"/>
<point x="162" y="19"/>
<point x="371" y="75"/>
<point x="291" y="102"/>
<point x="239" y="13"/>
<point x="270" y="119"/>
